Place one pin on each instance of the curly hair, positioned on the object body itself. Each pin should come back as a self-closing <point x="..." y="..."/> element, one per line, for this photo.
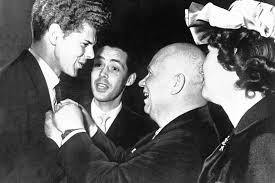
<point x="250" y="55"/>
<point x="69" y="14"/>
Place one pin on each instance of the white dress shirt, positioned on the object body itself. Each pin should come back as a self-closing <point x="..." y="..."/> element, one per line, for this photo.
<point x="96" y="114"/>
<point x="51" y="78"/>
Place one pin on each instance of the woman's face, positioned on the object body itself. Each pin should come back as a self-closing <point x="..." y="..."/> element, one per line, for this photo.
<point x="218" y="82"/>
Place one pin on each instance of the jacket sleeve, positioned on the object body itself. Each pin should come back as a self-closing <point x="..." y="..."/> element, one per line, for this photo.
<point x="173" y="158"/>
<point x="113" y="152"/>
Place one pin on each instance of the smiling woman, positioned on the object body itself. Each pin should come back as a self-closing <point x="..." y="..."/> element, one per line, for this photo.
<point x="239" y="75"/>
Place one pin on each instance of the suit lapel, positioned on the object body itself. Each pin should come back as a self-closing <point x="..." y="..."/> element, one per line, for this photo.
<point x="37" y="77"/>
<point x="144" y="140"/>
<point x="178" y="122"/>
<point x="87" y="106"/>
<point x="117" y="125"/>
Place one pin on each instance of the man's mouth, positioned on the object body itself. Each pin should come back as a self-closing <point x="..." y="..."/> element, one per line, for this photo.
<point x="102" y="86"/>
<point x="145" y="94"/>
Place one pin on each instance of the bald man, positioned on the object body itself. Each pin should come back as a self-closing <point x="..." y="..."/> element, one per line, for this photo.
<point x="174" y="153"/>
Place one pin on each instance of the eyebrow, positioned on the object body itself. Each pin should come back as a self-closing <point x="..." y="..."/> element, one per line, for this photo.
<point x="112" y="60"/>
<point x="92" y="43"/>
<point x="117" y="61"/>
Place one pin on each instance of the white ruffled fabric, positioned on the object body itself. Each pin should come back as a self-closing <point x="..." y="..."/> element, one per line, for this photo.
<point x="251" y="14"/>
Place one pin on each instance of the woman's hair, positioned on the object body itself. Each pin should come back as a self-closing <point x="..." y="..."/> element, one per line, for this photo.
<point x="250" y="55"/>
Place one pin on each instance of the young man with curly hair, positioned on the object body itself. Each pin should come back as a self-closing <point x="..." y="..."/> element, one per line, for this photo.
<point x="63" y="36"/>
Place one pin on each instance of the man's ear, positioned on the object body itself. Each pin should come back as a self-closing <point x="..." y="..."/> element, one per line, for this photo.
<point x="131" y="79"/>
<point x="178" y="83"/>
<point x="54" y="33"/>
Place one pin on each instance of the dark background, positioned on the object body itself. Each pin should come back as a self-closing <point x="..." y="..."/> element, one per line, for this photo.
<point x="148" y="24"/>
<point x="151" y="24"/>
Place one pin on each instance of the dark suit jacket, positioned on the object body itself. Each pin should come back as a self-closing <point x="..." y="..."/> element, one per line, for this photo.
<point x="26" y="154"/>
<point x="128" y="127"/>
<point x="174" y="155"/>
<point x="248" y="156"/>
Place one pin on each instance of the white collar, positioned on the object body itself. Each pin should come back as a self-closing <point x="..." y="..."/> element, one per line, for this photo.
<point x="51" y="78"/>
<point x="96" y="113"/>
<point x="157" y="132"/>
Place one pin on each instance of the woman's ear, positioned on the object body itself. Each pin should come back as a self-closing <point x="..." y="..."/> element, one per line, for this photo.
<point x="54" y="33"/>
<point x="178" y="83"/>
<point x="131" y="79"/>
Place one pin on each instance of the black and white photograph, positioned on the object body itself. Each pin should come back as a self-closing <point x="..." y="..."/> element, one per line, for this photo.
<point x="137" y="91"/>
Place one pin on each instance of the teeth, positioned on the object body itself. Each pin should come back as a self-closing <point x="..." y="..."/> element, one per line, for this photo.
<point x="100" y="85"/>
<point x="146" y="94"/>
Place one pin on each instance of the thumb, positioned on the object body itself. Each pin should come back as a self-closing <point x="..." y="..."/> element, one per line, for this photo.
<point x="48" y="115"/>
<point x="87" y="116"/>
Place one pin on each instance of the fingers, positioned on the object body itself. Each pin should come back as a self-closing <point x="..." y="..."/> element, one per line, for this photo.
<point x="57" y="107"/>
<point x="49" y="119"/>
<point x="87" y="116"/>
<point x="63" y="103"/>
<point x="68" y="101"/>
<point x="49" y="123"/>
<point x="48" y="116"/>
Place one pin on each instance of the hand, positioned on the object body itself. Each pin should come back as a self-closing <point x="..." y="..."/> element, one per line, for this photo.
<point x="87" y="118"/>
<point x="90" y="122"/>
<point x="50" y="129"/>
<point x="68" y="116"/>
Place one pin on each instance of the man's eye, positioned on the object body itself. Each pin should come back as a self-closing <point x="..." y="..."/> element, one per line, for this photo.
<point x="97" y="64"/>
<point x="115" y="69"/>
<point x="85" y="44"/>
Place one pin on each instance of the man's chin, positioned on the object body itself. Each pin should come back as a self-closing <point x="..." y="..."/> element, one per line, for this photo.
<point x="146" y="109"/>
<point x="101" y="98"/>
<point x="73" y="73"/>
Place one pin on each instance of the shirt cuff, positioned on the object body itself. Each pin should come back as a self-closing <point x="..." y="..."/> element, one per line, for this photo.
<point x="71" y="135"/>
<point x="92" y="130"/>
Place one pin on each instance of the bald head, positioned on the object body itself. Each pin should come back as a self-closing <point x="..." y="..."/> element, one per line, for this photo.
<point x="181" y="58"/>
<point x="174" y="82"/>
<point x="186" y="50"/>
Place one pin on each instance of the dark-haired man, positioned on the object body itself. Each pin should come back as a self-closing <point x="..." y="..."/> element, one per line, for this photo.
<point x="63" y="36"/>
<point x="113" y="71"/>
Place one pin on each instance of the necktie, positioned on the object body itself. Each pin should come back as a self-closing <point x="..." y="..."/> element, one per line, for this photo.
<point x="58" y="93"/>
<point x="104" y="117"/>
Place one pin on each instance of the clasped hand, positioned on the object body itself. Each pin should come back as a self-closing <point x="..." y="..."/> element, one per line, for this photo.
<point x="67" y="115"/>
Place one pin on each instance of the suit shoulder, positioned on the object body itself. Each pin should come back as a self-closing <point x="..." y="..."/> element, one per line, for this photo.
<point x="131" y="115"/>
<point x="134" y="117"/>
<point x="14" y="68"/>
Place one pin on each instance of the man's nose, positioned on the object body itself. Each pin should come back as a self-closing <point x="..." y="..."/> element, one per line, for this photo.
<point x="141" y="83"/>
<point x="103" y="72"/>
<point x="89" y="52"/>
